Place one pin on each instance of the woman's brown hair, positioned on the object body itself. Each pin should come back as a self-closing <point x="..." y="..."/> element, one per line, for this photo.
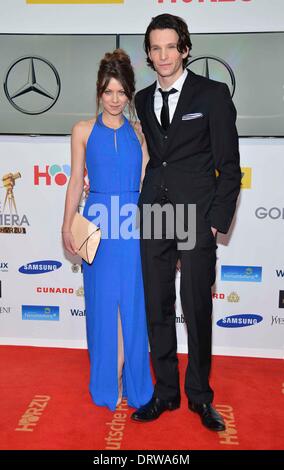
<point x="116" y="65"/>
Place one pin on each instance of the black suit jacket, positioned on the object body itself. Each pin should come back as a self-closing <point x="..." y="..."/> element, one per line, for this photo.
<point x="183" y="160"/>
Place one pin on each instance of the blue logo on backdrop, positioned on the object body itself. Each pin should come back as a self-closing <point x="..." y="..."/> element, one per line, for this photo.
<point x="40" y="267"/>
<point x="241" y="273"/>
<point x="40" y="312"/>
<point x="239" y="321"/>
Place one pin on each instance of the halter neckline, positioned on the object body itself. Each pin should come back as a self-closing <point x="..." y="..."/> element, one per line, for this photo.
<point x="100" y="117"/>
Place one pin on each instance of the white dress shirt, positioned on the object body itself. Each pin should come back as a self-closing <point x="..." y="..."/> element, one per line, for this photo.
<point x="173" y="98"/>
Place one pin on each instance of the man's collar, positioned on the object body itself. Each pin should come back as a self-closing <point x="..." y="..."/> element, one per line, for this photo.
<point x="178" y="84"/>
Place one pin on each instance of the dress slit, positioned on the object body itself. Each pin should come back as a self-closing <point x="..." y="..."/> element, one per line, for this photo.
<point x="120" y="357"/>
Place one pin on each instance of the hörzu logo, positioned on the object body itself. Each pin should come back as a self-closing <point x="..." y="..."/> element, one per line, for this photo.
<point x="230" y="435"/>
<point x="54" y="173"/>
<point x="33" y="413"/>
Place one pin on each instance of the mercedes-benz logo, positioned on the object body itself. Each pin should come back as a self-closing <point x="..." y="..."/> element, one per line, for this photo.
<point x="41" y="89"/>
<point x="213" y="67"/>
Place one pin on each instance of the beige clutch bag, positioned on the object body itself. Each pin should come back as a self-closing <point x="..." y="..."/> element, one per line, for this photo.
<point x="87" y="237"/>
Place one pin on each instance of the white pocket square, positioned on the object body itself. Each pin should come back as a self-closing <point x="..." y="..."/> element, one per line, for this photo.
<point x="187" y="117"/>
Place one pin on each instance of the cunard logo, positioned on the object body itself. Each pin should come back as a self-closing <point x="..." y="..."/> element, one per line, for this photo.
<point x="10" y="220"/>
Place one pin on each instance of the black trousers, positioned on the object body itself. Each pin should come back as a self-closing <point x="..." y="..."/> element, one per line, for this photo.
<point x="159" y="258"/>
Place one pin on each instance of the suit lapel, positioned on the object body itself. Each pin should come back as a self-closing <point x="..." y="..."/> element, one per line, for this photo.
<point x="153" y="123"/>
<point x="186" y="95"/>
<point x="150" y="108"/>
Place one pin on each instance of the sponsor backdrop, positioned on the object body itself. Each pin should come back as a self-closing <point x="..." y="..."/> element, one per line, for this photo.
<point x="42" y="300"/>
<point x="132" y="16"/>
<point x="41" y="288"/>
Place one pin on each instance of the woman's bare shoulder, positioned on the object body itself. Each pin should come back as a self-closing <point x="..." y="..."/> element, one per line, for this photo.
<point x="83" y="126"/>
<point x="82" y="129"/>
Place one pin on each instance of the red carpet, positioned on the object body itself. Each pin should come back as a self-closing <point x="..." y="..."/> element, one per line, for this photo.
<point x="45" y="404"/>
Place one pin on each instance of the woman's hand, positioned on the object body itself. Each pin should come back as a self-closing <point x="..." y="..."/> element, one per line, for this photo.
<point x="69" y="243"/>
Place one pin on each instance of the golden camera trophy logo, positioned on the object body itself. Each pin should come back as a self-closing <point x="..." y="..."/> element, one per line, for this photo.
<point x="10" y="220"/>
<point x="8" y="181"/>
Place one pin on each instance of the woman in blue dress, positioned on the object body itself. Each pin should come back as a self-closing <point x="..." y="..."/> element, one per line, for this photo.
<point x="115" y="154"/>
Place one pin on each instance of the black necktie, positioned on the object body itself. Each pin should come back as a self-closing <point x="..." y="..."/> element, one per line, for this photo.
<point x="165" y="115"/>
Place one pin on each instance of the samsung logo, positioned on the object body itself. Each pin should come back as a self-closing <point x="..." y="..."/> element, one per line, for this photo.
<point x="40" y="267"/>
<point x="239" y="321"/>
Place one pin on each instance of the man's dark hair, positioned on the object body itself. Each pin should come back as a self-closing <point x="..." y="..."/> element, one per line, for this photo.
<point x="167" y="21"/>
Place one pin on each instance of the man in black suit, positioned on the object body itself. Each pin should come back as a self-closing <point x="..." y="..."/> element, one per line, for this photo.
<point x="189" y="125"/>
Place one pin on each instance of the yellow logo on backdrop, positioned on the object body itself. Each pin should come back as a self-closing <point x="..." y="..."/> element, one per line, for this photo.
<point x="246" y="178"/>
<point x="75" y="2"/>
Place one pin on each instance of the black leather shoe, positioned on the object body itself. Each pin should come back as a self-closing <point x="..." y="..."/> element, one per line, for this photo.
<point x="154" y="408"/>
<point x="210" y="418"/>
